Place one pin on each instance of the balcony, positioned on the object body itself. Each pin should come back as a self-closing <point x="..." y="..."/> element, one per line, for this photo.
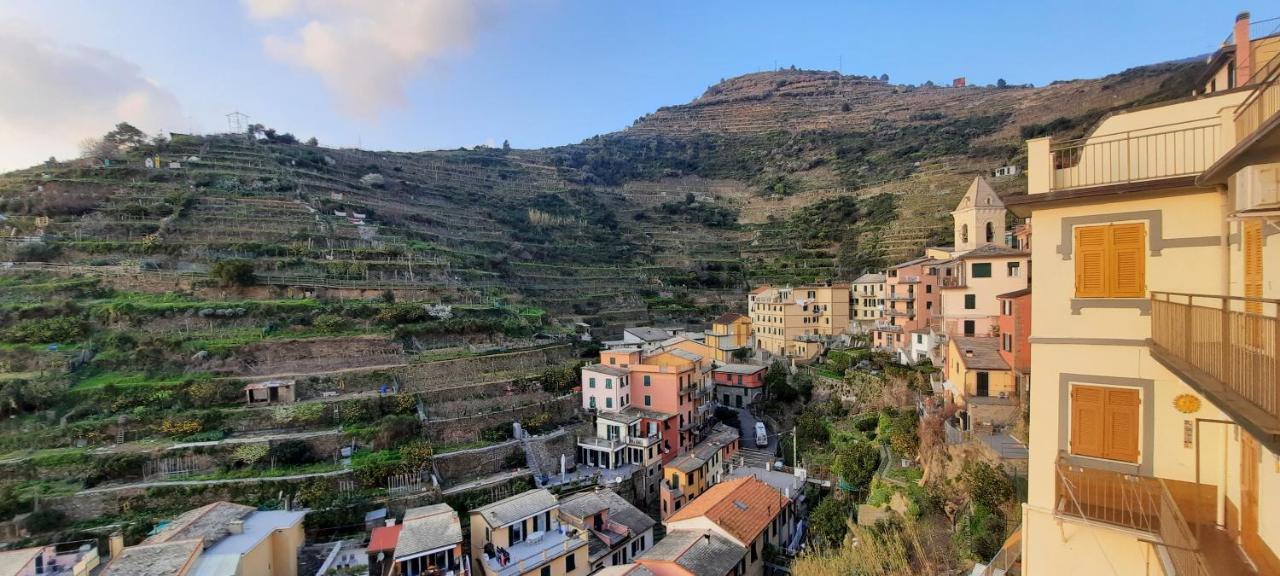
<point x="538" y="549"/>
<point x="643" y="441"/>
<point x="888" y="328"/>
<point x="1178" y="518"/>
<point x="909" y="313"/>
<point x="1257" y="127"/>
<point x="953" y="282"/>
<point x="1184" y="149"/>
<point x="1263" y="103"/>
<point x="1224" y="347"/>
<point x="901" y="297"/>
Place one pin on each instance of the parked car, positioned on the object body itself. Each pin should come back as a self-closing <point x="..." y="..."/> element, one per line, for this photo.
<point x="762" y="435"/>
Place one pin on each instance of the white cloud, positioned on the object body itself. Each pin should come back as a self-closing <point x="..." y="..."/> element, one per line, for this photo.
<point x="56" y="95"/>
<point x="366" y="52"/>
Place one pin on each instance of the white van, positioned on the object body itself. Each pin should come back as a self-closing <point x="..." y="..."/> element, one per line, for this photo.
<point x="762" y="435"/>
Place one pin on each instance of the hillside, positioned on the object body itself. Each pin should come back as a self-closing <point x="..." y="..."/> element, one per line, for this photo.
<point x="422" y="302"/>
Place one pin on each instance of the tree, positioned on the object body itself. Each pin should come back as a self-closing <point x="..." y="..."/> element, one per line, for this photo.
<point x="51" y="161"/>
<point x="506" y="144"/>
<point x="985" y="484"/>
<point x="234" y="272"/>
<point x="884" y="77"/>
<point x="812" y="429"/>
<point x="125" y="136"/>
<point x="98" y="148"/>
<point x="829" y="522"/>
<point x="312" y="141"/>
<point x="1001" y="83"/>
<point x="856" y="463"/>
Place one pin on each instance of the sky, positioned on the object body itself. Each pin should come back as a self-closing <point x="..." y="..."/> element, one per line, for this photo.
<point x="430" y="74"/>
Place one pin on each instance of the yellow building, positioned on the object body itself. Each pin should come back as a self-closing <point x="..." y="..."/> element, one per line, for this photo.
<point x="523" y="535"/>
<point x="981" y="382"/>
<point x="219" y="539"/>
<point x="1155" y="426"/>
<point x="729" y="333"/>
<point x="798" y="322"/>
<point x="868" y="301"/>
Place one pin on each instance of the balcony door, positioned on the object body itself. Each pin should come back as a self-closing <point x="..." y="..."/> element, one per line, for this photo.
<point x="1249" y="456"/>
<point x="984" y="384"/>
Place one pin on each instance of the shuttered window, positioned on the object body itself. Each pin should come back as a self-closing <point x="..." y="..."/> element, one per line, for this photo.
<point x="1253" y="264"/>
<point x="1111" y="261"/>
<point x="1104" y="423"/>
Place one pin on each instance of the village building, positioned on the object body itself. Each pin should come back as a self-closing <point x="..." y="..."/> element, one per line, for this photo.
<point x="618" y="530"/>
<point x="703" y="466"/>
<point x="738" y="385"/>
<point x="868" y="301"/>
<point x="798" y="322"/>
<point x="523" y="535"/>
<point x="729" y="333"/>
<point x="747" y="511"/>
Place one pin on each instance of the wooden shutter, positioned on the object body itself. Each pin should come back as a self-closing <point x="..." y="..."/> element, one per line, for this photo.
<point x="1121" y="421"/>
<point x="1091" y="261"/>
<point x="1252" y="264"/>
<point x="1126" y="269"/>
<point x="1087" y="421"/>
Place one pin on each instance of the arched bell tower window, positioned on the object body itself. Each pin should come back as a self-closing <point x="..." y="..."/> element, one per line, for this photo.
<point x="964" y="233"/>
<point x="991" y="232"/>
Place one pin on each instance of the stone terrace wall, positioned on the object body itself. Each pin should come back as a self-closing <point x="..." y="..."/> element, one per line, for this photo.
<point x="468" y="428"/>
<point x="477" y="462"/>
<point x="450" y="373"/>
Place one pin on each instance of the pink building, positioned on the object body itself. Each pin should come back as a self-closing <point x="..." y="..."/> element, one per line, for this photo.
<point x="911" y="299"/>
<point x="605" y="388"/>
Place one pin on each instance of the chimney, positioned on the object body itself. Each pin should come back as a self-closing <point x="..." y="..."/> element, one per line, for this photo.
<point x="707" y="536"/>
<point x="1244" y="50"/>
<point x="391" y="522"/>
<point x="115" y="544"/>
<point x="235" y="527"/>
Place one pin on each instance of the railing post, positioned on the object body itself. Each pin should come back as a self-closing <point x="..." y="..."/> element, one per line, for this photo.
<point x="1226" y="356"/>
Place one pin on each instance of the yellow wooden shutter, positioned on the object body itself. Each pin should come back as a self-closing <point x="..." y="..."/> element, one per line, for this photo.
<point x="1087" y="421"/>
<point x="1252" y="264"/>
<point x="1091" y="261"/>
<point x="1121" y="421"/>
<point x="1126" y="268"/>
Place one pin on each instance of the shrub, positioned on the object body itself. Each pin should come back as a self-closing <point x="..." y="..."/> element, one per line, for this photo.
<point x="249" y="454"/>
<point x="291" y="453"/>
<point x="856" y="463"/>
<point x="36" y="252"/>
<point x="177" y="426"/>
<point x="234" y="273"/>
<point x="829" y="522"/>
<point x="46" y="520"/>
<point x="330" y="323"/>
<point x="48" y="330"/>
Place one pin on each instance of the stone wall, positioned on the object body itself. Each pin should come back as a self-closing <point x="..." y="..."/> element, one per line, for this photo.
<point x="471" y="464"/>
<point x="468" y="428"/>
<point x="451" y="373"/>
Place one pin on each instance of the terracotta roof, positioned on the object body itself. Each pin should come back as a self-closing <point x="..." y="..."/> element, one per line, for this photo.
<point x="742" y="507"/>
<point x="727" y="317"/>
<point x="760" y="290"/>
<point x="980" y="353"/>
<point x="625" y="570"/>
<point x="383" y="538"/>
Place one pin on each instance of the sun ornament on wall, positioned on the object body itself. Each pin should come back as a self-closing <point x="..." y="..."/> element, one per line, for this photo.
<point x="1186" y="403"/>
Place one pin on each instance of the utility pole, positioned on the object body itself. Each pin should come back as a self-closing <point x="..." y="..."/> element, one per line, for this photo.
<point x="795" y="448"/>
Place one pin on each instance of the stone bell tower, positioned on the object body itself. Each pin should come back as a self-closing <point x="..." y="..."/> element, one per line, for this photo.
<point x="979" y="218"/>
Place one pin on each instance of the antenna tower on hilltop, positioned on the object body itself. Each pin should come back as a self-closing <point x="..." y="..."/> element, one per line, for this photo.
<point x="236" y="122"/>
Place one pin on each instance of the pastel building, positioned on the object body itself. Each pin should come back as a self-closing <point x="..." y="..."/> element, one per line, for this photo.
<point x="703" y="466"/>
<point x="868" y="301"/>
<point x="1155" y="425"/>
<point x="747" y="511"/>
<point x="911" y="300"/>
<point x="738" y="385"/>
<point x="605" y="387"/>
<point x="798" y="322"/>
<point x="729" y="333"/>
<point x="618" y="531"/>
<point x="523" y="534"/>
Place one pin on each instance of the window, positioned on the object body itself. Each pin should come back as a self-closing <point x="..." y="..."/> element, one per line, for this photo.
<point x="1015" y="269"/>
<point x="1008" y="342"/>
<point x="591" y="382"/>
<point x="928" y="288"/>
<point x="970" y="301"/>
<point x="964" y="234"/>
<point x="592" y="401"/>
<point x="570" y="563"/>
<point x="991" y="228"/>
<point x="608" y="383"/>
<point x="647" y="400"/>
<point x="613" y="360"/>
<point x="646" y="379"/>
<point x="546" y="570"/>
<point x="980" y="270"/>
<point x="1110" y="262"/>
<point x="608" y="402"/>
<point x="1104" y="422"/>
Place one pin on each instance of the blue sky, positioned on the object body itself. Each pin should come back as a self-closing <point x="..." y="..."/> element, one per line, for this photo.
<point x="548" y="72"/>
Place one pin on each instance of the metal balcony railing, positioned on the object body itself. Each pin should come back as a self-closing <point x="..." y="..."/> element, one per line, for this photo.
<point x="1226" y="342"/>
<point x="1262" y="103"/>
<point x="1168" y="151"/>
<point x="1131" y="502"/>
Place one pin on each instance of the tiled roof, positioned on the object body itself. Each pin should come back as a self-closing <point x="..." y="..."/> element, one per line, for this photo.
<point x="980" y="353"/>
<point x="727" y="318"/>
<point x="429" y="528"/>
<point x="383" y="538"/>
<point x="919" y="260"/>
<point x="168" y="558"/>
<point x="645" y="413"/>
<point x="869" y="278"/>
<point x="209" y="522"/>
<point x="606" y="369"/>
<point x="648" y="333"/>
<point x="760" y="290"/>
<point x="701" y="553"/>
<point x="741" y="507"/>
<point x="586" y="504"/>
<point x="740" y="368"/>
<point x="625" y="570"/>
<point x="511" y="509"/>
<point x="721" y="436"/>
<point x="1015" y="293"/>
<point x="992" y="251"/>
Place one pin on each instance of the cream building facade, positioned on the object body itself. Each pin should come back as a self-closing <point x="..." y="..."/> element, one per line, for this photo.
<point x="1155" y="428"/>
<point x="798" y="322"/>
